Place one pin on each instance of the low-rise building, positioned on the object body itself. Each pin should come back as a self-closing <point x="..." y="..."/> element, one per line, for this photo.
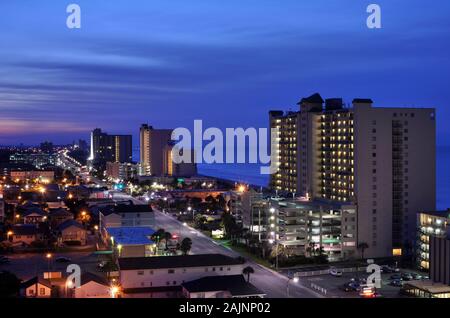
<point x="230" y="286"/>
<point x="162" y="275"/>
<point x="126" y="215"/>
<point x="72" y="232"/>
<point x="42" y="175"/>
<point x="130" y="241"/>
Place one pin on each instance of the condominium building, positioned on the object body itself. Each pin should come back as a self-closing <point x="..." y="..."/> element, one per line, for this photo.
<point x="299" y="224"/>
<point x="152" y="144"/>
<point x="110" y="148"/>
<point x="430" y="224"/>
<point x="380" y="159"/>
<point x="253" y="209"/>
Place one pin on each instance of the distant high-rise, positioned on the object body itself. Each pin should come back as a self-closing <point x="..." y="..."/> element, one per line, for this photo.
<point x="381" y="159"/>
<point x="182" y="169"/>
<point x="152" y="145"/>
<point x="110" y="148"/>
<point x="46" y="147"/>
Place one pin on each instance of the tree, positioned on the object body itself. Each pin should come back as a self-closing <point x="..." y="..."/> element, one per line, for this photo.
<point x="9" y="285"/>
<point x="248" y="271"/>
<point x="167" y="237"/>
<point x="186" y="245"/>
<point x="363" y="246"/>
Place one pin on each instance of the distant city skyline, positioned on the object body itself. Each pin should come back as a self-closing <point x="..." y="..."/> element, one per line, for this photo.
<point x="225" y="63"/>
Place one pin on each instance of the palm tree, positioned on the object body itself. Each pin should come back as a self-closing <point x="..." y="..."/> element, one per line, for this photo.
<point x="167" y="237"/>
<point x="363" y="246"/>
<point x="248" y="271"/>
<point x="186" y="245"/>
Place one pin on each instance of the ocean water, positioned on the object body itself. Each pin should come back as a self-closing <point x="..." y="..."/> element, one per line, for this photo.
<point x="250" y="173"/>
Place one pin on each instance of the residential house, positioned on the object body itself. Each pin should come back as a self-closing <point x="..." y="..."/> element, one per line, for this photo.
<point x="92" y="286"/>
<point x="72" y="232"/>
<point x="59" y="216"/>
<point x="27" y="234"/>
<point x="34" y="216"/>
<point x="36" y="287"/>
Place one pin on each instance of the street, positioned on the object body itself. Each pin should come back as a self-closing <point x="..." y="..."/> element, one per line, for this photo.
<point x="271" y="282"/>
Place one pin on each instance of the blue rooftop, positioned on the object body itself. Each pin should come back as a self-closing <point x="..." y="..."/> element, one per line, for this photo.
<point x="131" y="235"/>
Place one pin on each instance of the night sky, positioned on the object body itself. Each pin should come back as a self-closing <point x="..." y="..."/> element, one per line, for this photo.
<point x="228" y="62"/>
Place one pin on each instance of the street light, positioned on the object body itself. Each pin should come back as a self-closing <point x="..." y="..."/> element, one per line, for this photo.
<point x="49" y="257"/>
<point x="8" y="235"/>
<point x="69" y="285"/>
<point x="114" y="291"/>
<point x="294" y="279"/>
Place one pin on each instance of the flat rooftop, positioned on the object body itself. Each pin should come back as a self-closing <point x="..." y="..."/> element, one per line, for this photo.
<point x="131" y="235"/>
<point x="429" y="286"/>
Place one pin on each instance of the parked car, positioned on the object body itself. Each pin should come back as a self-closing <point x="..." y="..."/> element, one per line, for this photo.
<point x="387" y="269"/>
<point x="407" y="276"/>
<point x="335" y="272"/>
<point x="416" y="276"/>
<point x="4" y="260"/>
<point x="396" y="283"/>
<point x="63" y="260"/>
<point x="396" y="277"/>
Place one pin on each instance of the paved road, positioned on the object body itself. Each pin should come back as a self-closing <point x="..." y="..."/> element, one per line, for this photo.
<point x="271" y="282"/>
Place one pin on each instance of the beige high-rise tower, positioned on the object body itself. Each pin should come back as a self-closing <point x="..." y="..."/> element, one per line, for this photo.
<point x="380" y="159"/>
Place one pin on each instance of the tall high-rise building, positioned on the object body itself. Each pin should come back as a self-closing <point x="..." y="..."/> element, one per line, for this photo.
<point x="380" y="159"/>
<point x="152" y="144"/>
<point x="110" y="148"/>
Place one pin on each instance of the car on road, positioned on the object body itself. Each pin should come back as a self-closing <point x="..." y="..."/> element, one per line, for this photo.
<point x="350" y="287"/>
<point x="396" y="277"/>
<point x="4" y="260"/>
<point x="63" y="259"/>
<point x="335" y="272"/>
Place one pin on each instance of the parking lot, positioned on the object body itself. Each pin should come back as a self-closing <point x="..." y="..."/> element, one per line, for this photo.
<point x="331" y="284"/>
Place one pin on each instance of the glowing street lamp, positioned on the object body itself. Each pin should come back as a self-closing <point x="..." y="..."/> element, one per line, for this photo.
<point x="8" y="234"/>
<point x="295" y="280"/>
<point x="114" y="291"/>
<point x="49" y="257"/>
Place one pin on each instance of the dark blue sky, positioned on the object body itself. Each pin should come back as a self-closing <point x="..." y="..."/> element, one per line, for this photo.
<point x="228" y="62"/>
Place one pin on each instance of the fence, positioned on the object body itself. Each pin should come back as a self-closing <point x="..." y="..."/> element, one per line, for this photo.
<point x="327" y="271"/>
<point x="318" y="288"/>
